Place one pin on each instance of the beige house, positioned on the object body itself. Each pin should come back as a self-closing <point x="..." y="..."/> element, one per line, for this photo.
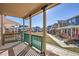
<point x="7" y="24"/>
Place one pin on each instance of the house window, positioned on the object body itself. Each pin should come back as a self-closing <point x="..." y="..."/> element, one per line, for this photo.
<point x="70" y="22"/>
<point x="73" y="21"/>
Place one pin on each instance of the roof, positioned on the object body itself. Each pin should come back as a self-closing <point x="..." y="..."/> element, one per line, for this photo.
<point x="23" y="10"/>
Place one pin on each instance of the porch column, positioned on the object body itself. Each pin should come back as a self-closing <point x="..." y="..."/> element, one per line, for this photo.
<point x="30" y="29"/>
<point x="44" y="31"/>
<point x="23" y="28"/>
<point x="2" y="39"/>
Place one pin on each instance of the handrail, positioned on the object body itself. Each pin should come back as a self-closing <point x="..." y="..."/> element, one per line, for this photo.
<point x="34" y="35"/>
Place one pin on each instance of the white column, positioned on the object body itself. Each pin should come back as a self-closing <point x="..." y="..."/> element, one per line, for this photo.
<point x="2" y="39"/>
<point x="44" y="31"/>
<point x="23" y="28"/>
<point x="30" y="29"/>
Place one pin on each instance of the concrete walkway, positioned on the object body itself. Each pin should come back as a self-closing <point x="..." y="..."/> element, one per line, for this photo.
<point x="61" y="43"/>
<point x="60" y="51"/>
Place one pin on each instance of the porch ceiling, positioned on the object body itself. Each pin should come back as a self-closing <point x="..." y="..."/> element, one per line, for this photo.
<point x="22" y="9"/>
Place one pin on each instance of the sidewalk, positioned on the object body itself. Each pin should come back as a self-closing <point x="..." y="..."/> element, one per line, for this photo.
<point x="60" y="51"/>
<point x="61" y="43"/>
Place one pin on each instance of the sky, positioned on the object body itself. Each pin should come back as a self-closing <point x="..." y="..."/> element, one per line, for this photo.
<point x="61" y="12"/>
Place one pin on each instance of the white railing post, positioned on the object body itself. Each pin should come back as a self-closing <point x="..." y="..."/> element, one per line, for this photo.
<point x="23" y="28"/>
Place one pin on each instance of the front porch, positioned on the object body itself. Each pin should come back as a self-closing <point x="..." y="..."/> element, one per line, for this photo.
<point x="20" y="48"/>
<point x="29" y="44"/>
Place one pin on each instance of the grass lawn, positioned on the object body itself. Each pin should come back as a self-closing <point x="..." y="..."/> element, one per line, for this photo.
<point x="50" y="41"/>
<point x="75" y="49"/>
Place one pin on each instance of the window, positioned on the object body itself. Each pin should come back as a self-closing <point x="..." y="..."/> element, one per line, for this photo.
<point x="70" y="22"/>
<point x="73" y="21"/>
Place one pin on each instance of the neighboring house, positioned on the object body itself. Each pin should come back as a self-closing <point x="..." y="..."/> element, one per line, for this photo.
<point x="7" y="24"/>
<point x="62" y="23"/>
<point x="13" y="29"/>
<point x="67" y="29"/>
<point x="53" y="29"/>
<point x="48" y="28"/>
<point x="70" y="29"/>
<point x="26" y="28"/>
<point x="36" y="29"/>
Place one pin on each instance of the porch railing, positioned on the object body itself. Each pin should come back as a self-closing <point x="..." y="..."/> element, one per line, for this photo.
<point x="36" y="41"/>
<point x="10" y="37"/>
<point x="26" y="37"/>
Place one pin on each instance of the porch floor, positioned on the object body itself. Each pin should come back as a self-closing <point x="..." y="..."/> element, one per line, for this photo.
<point x="17" y="49"/>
